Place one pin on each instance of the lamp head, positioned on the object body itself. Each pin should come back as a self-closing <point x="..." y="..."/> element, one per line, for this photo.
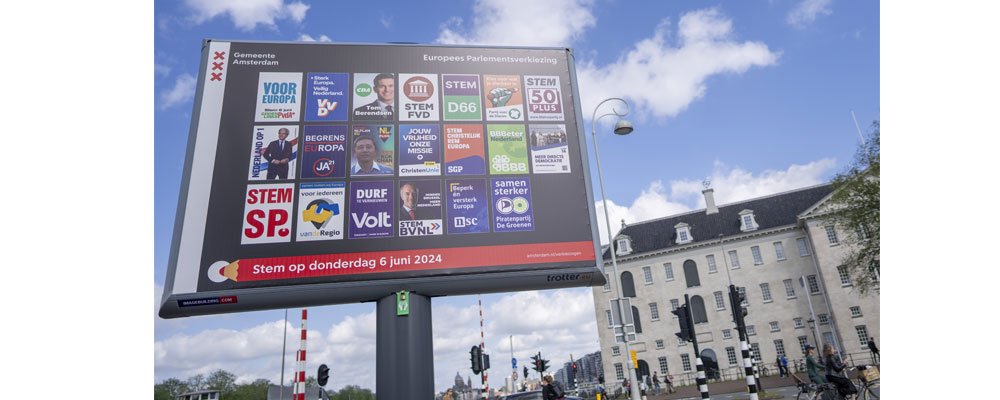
<point x="623" y="127"/>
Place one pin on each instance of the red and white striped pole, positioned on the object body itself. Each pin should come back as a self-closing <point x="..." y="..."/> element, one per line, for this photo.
<point x="299" y="392"/>
<point x="482" y="347"/>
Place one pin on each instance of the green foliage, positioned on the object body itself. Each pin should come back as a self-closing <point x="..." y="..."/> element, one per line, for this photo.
<point x="222" y="381"/>
<point x="352" y="392"/>
<point x="856" y="211"/>
<point x="256" y="390"/>
<point x="169" y="388"/>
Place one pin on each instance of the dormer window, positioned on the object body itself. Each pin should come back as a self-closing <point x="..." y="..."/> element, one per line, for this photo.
<point x="747" y="221"/>
<point x="683" y="233"/>
<point x="624" y="246"/>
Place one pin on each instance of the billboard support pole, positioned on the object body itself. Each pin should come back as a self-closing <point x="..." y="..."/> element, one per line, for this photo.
<point x="404" y="359"/>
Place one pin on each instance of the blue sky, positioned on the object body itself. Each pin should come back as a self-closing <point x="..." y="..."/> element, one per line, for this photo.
<point x="755" y="95"/>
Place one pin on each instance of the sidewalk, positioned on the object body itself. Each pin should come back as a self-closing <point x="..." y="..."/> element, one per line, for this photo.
<point x="714" y="388"/>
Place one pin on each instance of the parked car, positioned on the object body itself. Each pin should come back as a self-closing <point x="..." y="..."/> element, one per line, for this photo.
<point x="532" y="395"/>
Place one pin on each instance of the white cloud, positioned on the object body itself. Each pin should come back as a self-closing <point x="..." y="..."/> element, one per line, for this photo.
<point x="182" y="91"/>
<point x="805" y="12"/>
<point x="522" y="23"/>
<point x="247" y="14"/>
<point x="731" y="184"/>
<point x="386" y="21"/>
<point x="662" y="76"/>
<point x="307" y="38"/>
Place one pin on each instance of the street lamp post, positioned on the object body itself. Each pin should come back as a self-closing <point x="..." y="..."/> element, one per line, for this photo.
<point x="622" y="127"/>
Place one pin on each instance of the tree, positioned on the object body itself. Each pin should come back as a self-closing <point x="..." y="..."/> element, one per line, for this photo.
<point x="255" y="390"/>
<point x="169" y="389"/>
<point x="196" y="382"/>
<point x="855" y="210"/>
<point x="352" y="392"/>
<point x="222" y="381"/>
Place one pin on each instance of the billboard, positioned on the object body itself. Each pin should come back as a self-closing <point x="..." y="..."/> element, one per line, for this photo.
<point x="443" y="170"/>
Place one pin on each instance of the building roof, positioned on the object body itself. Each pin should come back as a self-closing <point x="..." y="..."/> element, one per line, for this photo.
<point x="769" y="212"/>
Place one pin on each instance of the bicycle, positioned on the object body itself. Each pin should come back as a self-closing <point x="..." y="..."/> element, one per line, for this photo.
<point x="868" y="380"/>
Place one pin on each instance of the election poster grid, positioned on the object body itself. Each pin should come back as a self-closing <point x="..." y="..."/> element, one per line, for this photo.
<point x="347" y="156"/>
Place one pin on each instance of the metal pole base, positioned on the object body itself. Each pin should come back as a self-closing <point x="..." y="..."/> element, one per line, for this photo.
<point x="404" y="350"/>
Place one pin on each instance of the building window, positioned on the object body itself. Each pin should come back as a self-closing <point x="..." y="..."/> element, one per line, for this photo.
<point x="823" y="319"/>
<point x="636" y="320"/>
<point x="743" y="292"/>
<point x="654" y="312"/>
<point x="607" y="283"/>
<point x="757" y="258"/>
<point x="855" y="312"/>
<point x="803" y="247"/>
<point x="711" y="264"/>
<point x="862" y="335"/>
<point x="789" y="289"/>
<point x="813" y="284"/>
<point x="765" y="292"/>
<point x="755" y="349"/>
<point x="779" y="347"/>
<point x="668" y="269"/>
<point x="615" y="351"/>
<point x="628" y="287"/>
<point x="720" y="304"/>
<point x="734" y="260"/>
<point x="798" y="322"/>
<point x="663" y="365"/>
<point x="831" y="235"/>
<point x="727" y="334"/>
<point x="828" y="338"/>
<point x="731" y="355"/>
<point x="751" y="330"/>
<point x="845" y="278"/>
<point x="647" y="274"/>
<point x="779" y="251"/>
<point x="698" y="314"/>
<point x="686" y="362"/>
<point x="659" y="343"/>
<point x="611" y="322"/>
<point x="774" y="326"/>
<point x="747" y="222"/>
<point x="624" y="246"/>
<point x="691" y="274"/>
<point x="619" y="372"/>
<point x="673" y="306"/>
<point x="803" y="341"/>
<point x="683" y="233"/>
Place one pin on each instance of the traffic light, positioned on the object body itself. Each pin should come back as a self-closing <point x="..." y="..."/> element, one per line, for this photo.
<point x="545" y="365"/>
<point x="737" y="298"/>
<point x="574" y="367"/>
<point x="536" y="363"/>
<point x="684" y="319"/>
<point x="322" y="375"/>
<point x="525" y="372"/>
<point x="486" y="362"/>
<point x="476" y="354"/>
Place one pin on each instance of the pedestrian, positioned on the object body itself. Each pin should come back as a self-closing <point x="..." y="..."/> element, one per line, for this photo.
<point x="656" y="385"/>
<point x="642" y="386"/>
<point x="552" y="389"/>
<point x="783" y="366"/>
<point x="448" y="395"/>
<point x="874" y="350"/>
<point x="628" y="386"/>
<point x="836" y="372"/>
<point x="669" y="380"/>
<point x="812" y="367"/>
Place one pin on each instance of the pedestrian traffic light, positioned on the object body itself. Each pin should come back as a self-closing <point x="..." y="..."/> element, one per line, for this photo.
<point x="684" y="320"/>
<point x="525" y="372"/>
<point x="322" y="375"/>
<point x="574" y="366"/>
<point x="476" y="354"/>
<point x="486" y="362"/>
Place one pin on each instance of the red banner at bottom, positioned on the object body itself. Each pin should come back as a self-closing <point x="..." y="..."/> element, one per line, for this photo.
<point x="262" y="269"/>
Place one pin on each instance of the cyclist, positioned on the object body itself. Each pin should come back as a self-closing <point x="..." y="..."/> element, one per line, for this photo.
<point x="835" y="372"/>
<point x="812" y="367"/>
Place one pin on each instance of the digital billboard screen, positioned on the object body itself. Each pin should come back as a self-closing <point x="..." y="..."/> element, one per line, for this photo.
<point x="334" y="173"/>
